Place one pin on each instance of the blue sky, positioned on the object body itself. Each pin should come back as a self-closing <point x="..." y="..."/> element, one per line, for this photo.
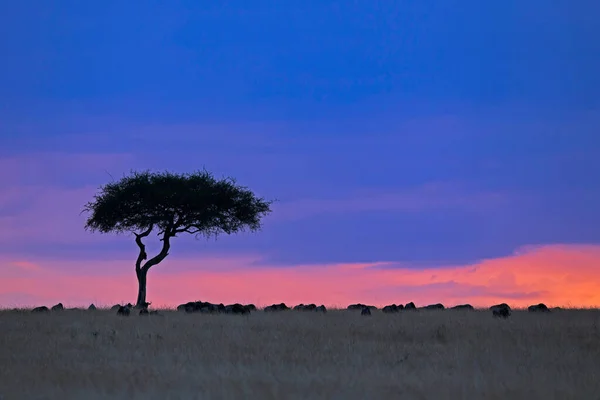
<point x="425" y="133"/>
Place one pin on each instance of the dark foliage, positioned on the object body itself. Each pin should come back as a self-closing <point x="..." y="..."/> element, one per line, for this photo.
<point x="195" y="203"/>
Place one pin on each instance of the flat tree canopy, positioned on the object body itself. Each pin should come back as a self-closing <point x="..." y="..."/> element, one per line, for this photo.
<point x="195" y="203"/>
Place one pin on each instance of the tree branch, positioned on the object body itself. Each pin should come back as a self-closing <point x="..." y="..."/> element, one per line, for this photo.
<point x="164" y="252"/>
<point x="170" y="228"/>
<point x="188" y="229"/>
<point x="138" y="240"/>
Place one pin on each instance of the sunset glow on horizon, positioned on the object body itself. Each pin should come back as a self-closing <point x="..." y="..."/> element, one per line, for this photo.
<point x="565" y="276"/>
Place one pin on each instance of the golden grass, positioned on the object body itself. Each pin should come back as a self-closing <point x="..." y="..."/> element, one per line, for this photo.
<point x="295" y="355"/>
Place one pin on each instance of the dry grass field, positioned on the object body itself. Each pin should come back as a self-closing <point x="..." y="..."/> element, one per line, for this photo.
<point x="297" y="355"/>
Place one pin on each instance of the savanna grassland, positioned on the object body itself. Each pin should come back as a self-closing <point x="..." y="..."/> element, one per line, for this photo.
<point x="300" y="355"/>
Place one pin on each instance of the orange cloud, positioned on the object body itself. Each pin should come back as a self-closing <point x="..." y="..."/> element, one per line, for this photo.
<point x="565" y="275"/>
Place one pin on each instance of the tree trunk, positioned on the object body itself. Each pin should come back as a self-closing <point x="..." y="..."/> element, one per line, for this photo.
<point x="141" y="276"/>
<point x="142" y="270"/>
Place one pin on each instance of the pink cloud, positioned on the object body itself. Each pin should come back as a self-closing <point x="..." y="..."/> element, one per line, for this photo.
<point x="565" y="275"/>
<point x="26" y="266"/>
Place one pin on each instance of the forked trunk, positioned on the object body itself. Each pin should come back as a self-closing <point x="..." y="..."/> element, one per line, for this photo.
<point x="142" y="270"/>
<point x="141" y="298"/>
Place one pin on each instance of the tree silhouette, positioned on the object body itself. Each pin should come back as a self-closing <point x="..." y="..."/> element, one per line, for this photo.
<point x="194" y="203"/>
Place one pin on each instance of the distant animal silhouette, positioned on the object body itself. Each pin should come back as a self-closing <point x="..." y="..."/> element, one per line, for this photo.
<point x="501" y="310"/>
<point x="438" y="306"/>
<point x="538" y="308"/>
<point x="392" y="308"/>
<point x="462" y="307"/>
<point x="125" y="310"/>
<point x="276" y="307"/>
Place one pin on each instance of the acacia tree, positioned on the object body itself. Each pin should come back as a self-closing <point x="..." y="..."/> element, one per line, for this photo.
<point x="193" y="203"/>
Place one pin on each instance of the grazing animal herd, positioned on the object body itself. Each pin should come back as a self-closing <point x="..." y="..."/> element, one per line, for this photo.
<point x="499" y="310"/>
